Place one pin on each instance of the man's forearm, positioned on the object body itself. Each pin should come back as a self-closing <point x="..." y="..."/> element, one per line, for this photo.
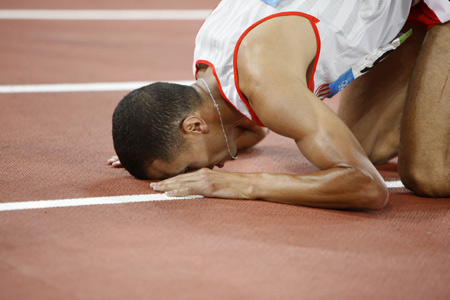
<point x="340" y="188"/>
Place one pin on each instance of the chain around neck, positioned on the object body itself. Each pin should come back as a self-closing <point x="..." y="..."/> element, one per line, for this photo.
<point x="220" y="117"/>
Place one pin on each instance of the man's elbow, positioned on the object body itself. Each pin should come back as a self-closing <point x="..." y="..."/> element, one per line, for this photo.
<point x="373" y="193"/>
<point x="380" y="199"/>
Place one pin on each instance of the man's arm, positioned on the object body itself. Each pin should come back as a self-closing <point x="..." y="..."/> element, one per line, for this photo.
<point x="273" y="65"/>
<point x="347" y="178"/>
<point x="248" y="135"/>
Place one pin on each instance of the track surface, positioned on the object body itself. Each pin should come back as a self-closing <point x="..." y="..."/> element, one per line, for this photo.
<point x="55" y="146"/>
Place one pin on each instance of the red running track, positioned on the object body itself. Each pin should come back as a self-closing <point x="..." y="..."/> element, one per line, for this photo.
<point x="55" y="146"/>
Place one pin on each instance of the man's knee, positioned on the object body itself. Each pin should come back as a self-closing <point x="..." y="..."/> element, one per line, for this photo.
<point x="424" y="180"/>
<point x="424" y="161"/>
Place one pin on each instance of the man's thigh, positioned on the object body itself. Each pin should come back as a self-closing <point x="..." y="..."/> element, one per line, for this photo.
<point x="372" y="106"/>
<point x="424" y="158"/>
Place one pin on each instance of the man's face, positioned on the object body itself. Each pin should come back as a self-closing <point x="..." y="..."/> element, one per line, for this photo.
<point x="202" y="154"/>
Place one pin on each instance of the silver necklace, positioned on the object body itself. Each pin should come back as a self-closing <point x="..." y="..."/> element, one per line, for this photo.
<point x="220" y="117"/>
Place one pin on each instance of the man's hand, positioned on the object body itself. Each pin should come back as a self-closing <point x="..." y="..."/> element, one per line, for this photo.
<point x="115" y="162"/>
<point x="208" y="183"/>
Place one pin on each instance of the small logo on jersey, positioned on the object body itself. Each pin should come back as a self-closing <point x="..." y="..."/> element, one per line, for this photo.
<point x="344" y="80"/>
<point x="342" y="85"/>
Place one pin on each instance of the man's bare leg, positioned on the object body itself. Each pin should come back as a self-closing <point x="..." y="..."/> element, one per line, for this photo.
<point x="372" y="106"/>
<point x="424" y="158"/>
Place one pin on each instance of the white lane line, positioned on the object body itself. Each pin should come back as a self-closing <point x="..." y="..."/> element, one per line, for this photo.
<point x="141" y="14"/>
<point x="394" y="184"/>
<point x="88" y="201"/>
<point x="77" y="87"/>
<point x="110" y="200"/>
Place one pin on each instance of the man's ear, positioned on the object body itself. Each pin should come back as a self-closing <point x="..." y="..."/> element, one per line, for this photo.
<point x="194" y="124"/>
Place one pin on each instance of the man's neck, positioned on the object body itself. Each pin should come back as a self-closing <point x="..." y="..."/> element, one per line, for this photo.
<point x="211" y="93"/>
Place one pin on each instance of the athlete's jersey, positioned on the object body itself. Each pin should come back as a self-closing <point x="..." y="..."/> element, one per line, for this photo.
<point x="348" y="33"/>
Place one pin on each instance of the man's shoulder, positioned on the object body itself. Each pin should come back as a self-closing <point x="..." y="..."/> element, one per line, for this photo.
<point x="283" y="46"/>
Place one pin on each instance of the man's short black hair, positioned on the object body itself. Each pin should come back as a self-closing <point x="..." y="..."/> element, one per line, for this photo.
<point x="147" y="125"/>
